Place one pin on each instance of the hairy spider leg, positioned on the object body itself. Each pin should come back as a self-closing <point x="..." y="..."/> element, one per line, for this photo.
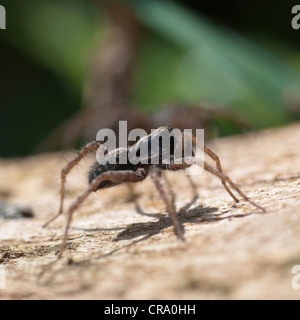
<point x="114" y="176"/>
<point x="168" y="184"/>
<point x="225" y="178"/>
<point x="214" y="157"/>
<point x="222" y="177"/>
<point x="173" y="198"/>
<point x="94" y="145"/>
<point x="156" y="176"/>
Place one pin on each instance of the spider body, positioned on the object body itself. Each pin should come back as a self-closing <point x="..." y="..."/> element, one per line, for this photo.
<point x="98" y="169"/>
<point x="155" y="156"/>
<point x="148" y="157"/>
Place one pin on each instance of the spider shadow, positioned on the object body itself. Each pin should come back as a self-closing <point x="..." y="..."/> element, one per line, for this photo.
<point x="146" y="230"/>
<point x="198" y="214"/>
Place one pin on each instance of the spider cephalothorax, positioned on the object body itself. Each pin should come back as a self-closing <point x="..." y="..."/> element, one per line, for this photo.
<point x="110" y="170"/>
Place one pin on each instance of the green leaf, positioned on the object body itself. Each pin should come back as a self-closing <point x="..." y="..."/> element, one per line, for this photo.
<point x="219" y="65"/>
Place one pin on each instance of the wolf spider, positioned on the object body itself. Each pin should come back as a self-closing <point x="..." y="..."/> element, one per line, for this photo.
<point x="108" y="175"/>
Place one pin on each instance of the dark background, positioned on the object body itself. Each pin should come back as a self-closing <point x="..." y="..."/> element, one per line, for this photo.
<point x="39" y="90"/>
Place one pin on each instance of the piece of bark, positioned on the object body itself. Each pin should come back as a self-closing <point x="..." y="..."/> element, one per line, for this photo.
<point x="231" y="251"/>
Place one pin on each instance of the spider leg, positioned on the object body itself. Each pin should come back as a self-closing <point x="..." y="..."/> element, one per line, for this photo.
<point x="225" y="178"/>
<point x="190" y="181"/>
<point x="211" y="154"/>
<point x="83" y="152"/>
<point x="156" y="176"/>
<point x="114" y="176"/>
<point x="214" y="157"/>
<point x="170" y="190"/>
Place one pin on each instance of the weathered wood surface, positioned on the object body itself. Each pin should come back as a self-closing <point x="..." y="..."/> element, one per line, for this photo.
<point x="118" y="253"/>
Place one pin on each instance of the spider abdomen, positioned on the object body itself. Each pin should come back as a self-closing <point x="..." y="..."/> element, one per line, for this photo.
<point x="97" y="169"/>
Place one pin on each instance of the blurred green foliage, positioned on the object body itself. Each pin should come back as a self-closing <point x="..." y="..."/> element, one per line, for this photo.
<point x="58" y="34"/>
<point x="185" y="56"/>
<point x="219" y="65"/>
